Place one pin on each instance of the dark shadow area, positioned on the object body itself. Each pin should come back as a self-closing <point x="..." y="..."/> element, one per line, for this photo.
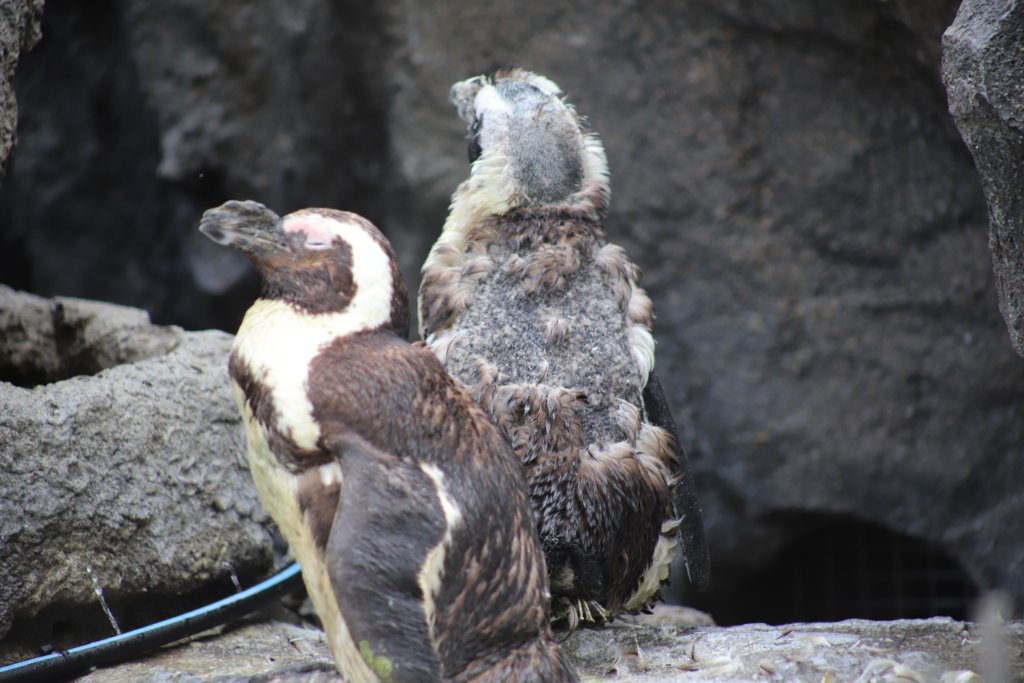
<point x="849" y="569"/>
<point x="51" y="341"/>
<point x="111" y="171"/>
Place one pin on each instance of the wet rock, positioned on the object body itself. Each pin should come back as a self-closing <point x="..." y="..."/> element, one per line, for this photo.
<point x="984" y="76"/>
<point x="121" y="469"/>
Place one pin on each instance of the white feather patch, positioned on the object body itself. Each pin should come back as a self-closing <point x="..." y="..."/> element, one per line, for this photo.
<point x="595" y="163"/>
<point x="640" y="308"/>
<point x="330" y="474"/>
<point x="432" y="570"/>
<point x="657" y="572"/>
<point x="452" y="513"/>
<point x="489" y="190"/>
<point x="489" y="102"/>
<point x="641" y="345"/>
<point x="441" y="343"/>
<point x="627" y="418"/>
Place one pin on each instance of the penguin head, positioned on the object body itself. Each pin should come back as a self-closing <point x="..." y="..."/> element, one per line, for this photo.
<point x="524" y="136"/>
<point x="321" y="261"/>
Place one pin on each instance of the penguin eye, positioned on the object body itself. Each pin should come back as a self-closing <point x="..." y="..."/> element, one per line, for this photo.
<point x="317" y="240"/>
<point x="316" y="244"/>
<point x="475" y="150"/>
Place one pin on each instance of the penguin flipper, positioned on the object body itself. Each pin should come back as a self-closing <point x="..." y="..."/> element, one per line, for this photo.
<point x="387" y="523"/>
<point x="691" y="530"/>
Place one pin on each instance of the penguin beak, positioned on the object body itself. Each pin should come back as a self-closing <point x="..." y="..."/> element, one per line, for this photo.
<point x="247" y="226"/>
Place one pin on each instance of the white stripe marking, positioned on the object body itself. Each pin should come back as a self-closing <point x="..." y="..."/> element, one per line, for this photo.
<point x="432" y="570"/>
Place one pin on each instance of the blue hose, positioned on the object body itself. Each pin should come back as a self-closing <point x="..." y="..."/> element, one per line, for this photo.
<point x="79" y="659"/>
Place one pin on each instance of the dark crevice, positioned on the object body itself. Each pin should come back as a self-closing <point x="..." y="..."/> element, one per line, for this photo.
<point x="842" y="568"/>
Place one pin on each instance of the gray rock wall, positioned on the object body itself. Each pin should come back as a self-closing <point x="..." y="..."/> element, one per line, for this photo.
<point x="810" y="224"/>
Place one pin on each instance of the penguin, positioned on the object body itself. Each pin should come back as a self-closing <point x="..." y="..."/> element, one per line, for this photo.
<point x="528" y="304"/>
<point x="402" y="502"/>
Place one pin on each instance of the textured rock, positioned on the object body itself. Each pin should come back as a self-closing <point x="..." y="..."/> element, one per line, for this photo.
<point x="19" y="31"/>
<point x="897" y="651"/>
<point x="47" y="340"/>
<point x="983" y="70"/>
<point x="811" y="227"/>
<point x="132" y="478"/>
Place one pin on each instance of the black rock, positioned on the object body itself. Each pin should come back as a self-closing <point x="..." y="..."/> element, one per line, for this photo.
<point x="983" y="69"/>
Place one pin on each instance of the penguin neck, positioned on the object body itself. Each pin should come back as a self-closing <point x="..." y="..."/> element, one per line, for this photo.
<point x="267" y="315"/>
<point x="492" y="191"/>
<point x="280" y="339"/>
<point x="488" y="191"/>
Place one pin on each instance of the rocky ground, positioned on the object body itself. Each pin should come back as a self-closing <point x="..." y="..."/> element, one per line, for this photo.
<point x="897" y="652"/>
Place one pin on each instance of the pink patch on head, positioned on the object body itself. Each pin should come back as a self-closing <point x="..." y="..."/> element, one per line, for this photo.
<point x="317" y="229"/>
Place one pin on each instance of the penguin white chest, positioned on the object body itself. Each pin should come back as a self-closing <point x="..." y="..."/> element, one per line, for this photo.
<point x="278" y="490"/>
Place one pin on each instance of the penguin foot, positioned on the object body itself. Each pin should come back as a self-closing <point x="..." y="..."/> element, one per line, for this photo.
<point x="579" y="611"/>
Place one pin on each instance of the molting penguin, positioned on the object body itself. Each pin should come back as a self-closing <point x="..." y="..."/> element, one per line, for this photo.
<point x="402" y="502"/>
<point x="525" y="301"/>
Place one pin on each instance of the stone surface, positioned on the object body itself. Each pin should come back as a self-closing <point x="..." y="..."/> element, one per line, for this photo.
<point x="811" y="227"/>
<point x="19" y="31"/>
<point x="125" y="469"/>
<point x="983" y="70"/>
<point x="240" y="653"/>
<point x="898" y="652"/>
